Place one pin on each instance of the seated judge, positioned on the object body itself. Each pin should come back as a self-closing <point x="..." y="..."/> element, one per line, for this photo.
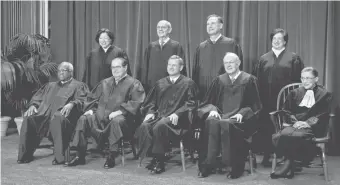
<point x="166" y="107"/>
<point x="53" y="111"/>
<point x="229" y="110"/>
<point x="156" y="56"/>
<point x="110" y="113"/>
<point x="307" y="111"/>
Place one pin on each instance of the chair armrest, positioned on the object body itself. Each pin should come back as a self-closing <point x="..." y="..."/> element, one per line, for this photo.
<point x="321" y="140"/>
<point x="275" y="118"/>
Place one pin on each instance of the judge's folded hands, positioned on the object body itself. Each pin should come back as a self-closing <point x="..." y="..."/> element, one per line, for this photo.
<point x="238" y="117"/>
<point x="115" y="114"/>
<point x="149" y="116"/>
<point x="89" y="112"/>
<point x="173" y="118"/>
<point x="32" y="110"/>
<point x="65" y="111"/>
<point x="301" y="124"/>
<point x="214" y="114"/>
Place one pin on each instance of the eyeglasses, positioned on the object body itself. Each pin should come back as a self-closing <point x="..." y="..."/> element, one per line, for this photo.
<point x="307" y="78"/>
<point x="162" y="27"/>
<point x="229" y="63"/>
<point x="63" y="70"/>
<point x="116" y="67"/>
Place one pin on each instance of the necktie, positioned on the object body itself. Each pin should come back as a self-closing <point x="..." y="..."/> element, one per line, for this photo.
<point x="232" y="80"/>
<point x="172" y="81"/>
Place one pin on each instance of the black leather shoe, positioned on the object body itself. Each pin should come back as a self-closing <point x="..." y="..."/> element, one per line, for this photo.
<point x="159" y="168"/>
<point x="110" y="162"/>
<point x="289" y="175"/>
<point x="24" y="161"/>
<point x="232" y="175"/>
<point x="75" y="161"/>
<point x="55" y="162"/>
<point x="204" y="172"/>
<point x="152" y="164"/>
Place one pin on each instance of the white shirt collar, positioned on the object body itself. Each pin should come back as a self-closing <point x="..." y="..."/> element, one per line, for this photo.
<point x="64" y="82"/>
<point x="217" y="38"/>
<point x="278" y="52"/>
<point x="106" y="49"/>
<point x="174" y="79"/>
<point x="165" y="40"/>
<point x="119" y="79"/>
<point x="235" y="77"/>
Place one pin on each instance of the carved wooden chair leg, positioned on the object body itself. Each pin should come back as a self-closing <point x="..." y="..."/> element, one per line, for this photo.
<point x="182" y="154"/>
<point x="122" y="151"/>
<point x="274" y="163"/>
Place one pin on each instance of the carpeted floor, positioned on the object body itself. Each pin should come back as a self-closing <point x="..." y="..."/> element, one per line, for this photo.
<point x="40" y="171"/>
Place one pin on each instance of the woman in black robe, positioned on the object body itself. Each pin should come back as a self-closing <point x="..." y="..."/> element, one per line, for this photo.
<point x="98" y="61"/>
<point x="274" y="70"/>
<point x="307" y="117"/>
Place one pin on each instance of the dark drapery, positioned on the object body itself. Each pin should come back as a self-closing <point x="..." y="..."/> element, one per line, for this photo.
<point x="313" y="30"/>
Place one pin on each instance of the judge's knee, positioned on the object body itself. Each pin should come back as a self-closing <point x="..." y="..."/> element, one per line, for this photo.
<point x="119" y="120"/>
<point x="160" y="125"/>
<point x="82" y="122"/>
<point x="58" y="115"/>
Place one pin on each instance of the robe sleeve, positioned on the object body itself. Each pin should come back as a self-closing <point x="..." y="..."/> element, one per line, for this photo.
<point x="196" y="66"/>
<point x="87" y="70"/>
<point x="93" y="97"/>
<point x="190" y="102"/>
<point x="256" y="71"/>
<point x="145" y="65"/>
<point x="252" y="98"/>
<point x="80" y="96"/>
<point x="181" y="53"/>
<point x="150" y="104"/>
<point x="211" y="99"/>
<point x="297" y="66"/>
<point x="322" y="112"/>
<point x="39" y="96"/>
<point x="136" y="98"/>
<point x="238" y="51"/>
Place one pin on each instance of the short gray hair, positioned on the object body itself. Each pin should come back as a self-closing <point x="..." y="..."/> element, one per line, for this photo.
<point x="68" y="65"/>
<point x="166" y="22"/>
<point x="178" y="58"/>
<point x="233" y="55"/>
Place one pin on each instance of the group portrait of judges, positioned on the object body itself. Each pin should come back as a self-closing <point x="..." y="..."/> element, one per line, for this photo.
<point x="229" y="105"/>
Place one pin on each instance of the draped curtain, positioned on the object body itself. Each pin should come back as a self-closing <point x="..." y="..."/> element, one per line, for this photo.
<point x="313" y="30"/>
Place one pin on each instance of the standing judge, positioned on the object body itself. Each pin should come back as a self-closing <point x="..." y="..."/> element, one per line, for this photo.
<point x="209" y="54"/>
<point x="53" y="111"/>
<point x="98" y="61"/>
<point x="157" y="54"/>
<point x="274" y="70"/>
<point x="229" y="109"/>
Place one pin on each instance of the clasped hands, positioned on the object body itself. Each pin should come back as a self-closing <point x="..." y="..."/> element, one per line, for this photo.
<point x="65" y="111"/>
<point x="301" y="124"/>
<point x="237" y="117"/>
<point x="173" y="118"/>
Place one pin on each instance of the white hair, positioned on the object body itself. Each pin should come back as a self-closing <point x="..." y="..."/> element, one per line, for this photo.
<point x="232" y="55"/>
<point x="68" y="65"/>
<point x="166" y="22"/>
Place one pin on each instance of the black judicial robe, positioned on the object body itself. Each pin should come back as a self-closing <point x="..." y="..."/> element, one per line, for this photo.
<point x="49" y="100"/>
<point x="98" y="64"/>
<point x="274" y="73"/>
<point x="107" y="97"/>
<point x="208" y="60"/>
<point x="164" y="99"/>
<point x="154" y="65"/>
<point x="297" y="143"/>
<point x="228" y="99"/>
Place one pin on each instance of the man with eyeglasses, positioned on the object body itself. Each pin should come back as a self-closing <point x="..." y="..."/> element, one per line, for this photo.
<point x="229" y="111"/>
<point x="166" y="112"/>
<point x="274" y="70"/>
<point x="52" y="112"/>
<point x="98" y="61"/>
<point x="110" y="113"/>
<point x="156" y="56"/>
<point x="207" y="63"/>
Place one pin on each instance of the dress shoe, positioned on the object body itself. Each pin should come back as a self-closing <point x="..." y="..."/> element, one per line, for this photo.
<point x="159" y="168"/>
<point x="55" y="162"/>
<point x="288" y="175"/>
<point x="232" y="175"/>
<point x="24" y="161"/>
<point x="204" y="172"/>
<point x="75" y="161"/>
<point x="152" y="164"/>
<point x="110" y="162"/>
